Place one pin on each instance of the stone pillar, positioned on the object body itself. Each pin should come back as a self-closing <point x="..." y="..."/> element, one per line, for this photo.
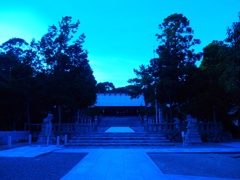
<point x="96" y="120"/>
<point x="58" y="141"/>
<point x="160" y="115"/>
<point x="65" y="139"/>
<point x="145" y="119"/>
<point x="9" y="142"/>
<point x="30" y="139"/>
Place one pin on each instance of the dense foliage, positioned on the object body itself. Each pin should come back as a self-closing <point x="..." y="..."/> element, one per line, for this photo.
<point x="209" y="92"/>
<point x="50" y="75"/>
<point x="54" y="74"/>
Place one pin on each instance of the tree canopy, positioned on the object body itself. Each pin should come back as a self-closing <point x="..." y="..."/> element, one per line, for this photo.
<point x="46" y="75"/>
<point x="207" y="92"/>
<point x="171" y="72"/>
<point x="54" y="74"/>
<point x="104" y="87"/>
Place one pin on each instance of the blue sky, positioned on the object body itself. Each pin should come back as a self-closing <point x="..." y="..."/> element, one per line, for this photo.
<point x="120" y="34"/>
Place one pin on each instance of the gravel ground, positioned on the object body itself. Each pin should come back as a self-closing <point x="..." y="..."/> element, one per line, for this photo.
<point x="208" y="165"/>
<point x="48" y="166"/>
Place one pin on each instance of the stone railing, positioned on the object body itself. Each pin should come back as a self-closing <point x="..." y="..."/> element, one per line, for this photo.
<point x="16" y="136"/>
<point x="83" y="125"/>
<point x="179" y="127"/>
<point x="64" y="128"/>
<point x="164" y="127"/>
<point x="209" y="127"/>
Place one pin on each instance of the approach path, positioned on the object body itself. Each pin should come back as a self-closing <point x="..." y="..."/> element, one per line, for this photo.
<point x="133" y="122"/>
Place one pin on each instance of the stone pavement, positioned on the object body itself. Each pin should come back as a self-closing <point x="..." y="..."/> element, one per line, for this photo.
<point x="121" y="163"/>
<point x="125" y="163"/>
<point x="114" y="164"/>
<point x="28" y="151"/>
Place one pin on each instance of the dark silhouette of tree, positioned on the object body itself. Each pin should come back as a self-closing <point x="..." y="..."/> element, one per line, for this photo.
<point x="219" y="78"/>
<point x="72" y="83"/>
<point x="104" y="87"/>
<point x="210" y="98"/>
<point x="232" y="71"/>
<point x="36" y="77"/>
<point x="142" y="84"/>
<point x="17" y="69"/>
<point x="176" y="62"/>
<point x="167" y="78"/>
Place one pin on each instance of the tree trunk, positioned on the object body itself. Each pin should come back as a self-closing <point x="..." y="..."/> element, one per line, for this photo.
<point x="214" y="113"/>
<point x="156" y="113"/>
<point x="170" y="110"/>
<point x="160" y="114"/>
<point x="78" y="115"/>
<point x="167" y="119"/>
<point x="28" y="113"/>
<point x="59" y="117"/>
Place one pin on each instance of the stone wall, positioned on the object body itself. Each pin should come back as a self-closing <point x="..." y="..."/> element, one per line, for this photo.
<point x="16" y="136"/>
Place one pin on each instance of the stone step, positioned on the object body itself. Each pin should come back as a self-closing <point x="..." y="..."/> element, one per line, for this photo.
<point x="121" y="144"/>
<point x="118" y="134"/>
<point x="118" y="138"/>
<point x="124" y="134"/>
<point x="116" y="141"/>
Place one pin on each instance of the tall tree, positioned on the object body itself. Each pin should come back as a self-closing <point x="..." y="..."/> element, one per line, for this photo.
<point x="232" y="71"/>
<point x="176" y="62"/>
<point x="21" y="72"/>
<point x="212" y="66"/>
<point x="231" y="75"/>
<point x="7" y="92"/>
<point x="169" y="77"/>
<point x="71" y="81"/>
<point x="233" y="33"/>
<point x="219" y="78"/>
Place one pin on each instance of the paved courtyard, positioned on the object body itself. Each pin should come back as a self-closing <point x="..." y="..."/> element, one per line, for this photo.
<point x="123" y="163"/>
<point x="130" y="163"/>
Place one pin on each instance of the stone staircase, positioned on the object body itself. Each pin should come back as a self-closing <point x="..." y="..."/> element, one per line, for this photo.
<point x="120" y="139"/>
<point x="137" y="138"/>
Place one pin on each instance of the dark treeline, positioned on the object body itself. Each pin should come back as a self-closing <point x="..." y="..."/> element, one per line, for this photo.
<point x="210" y="92"/>
<point x="52" y="74"/>
<point x="108" y="87"/>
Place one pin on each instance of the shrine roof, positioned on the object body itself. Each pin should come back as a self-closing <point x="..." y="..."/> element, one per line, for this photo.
<point x="118" y="99"/>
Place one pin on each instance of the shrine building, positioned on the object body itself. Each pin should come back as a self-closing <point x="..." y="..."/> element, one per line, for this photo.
<point x="119" y="104"/>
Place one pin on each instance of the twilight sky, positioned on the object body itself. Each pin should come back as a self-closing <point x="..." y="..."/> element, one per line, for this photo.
<point x="120" y="34"/>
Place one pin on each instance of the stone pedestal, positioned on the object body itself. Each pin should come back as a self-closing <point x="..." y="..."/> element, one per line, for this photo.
<point x="192" y="136"/>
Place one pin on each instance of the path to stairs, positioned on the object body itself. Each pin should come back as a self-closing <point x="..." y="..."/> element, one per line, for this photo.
<point x="132" y="122"/>
<point x="117" y="164"/>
